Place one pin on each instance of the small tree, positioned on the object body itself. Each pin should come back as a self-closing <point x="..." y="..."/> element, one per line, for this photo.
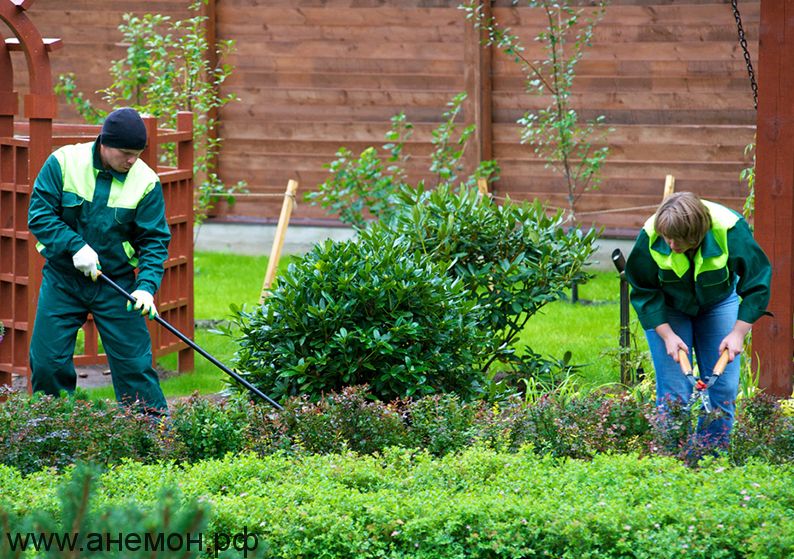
<point x="748" y="175"/>
<point x="556" y="132"/>
<point x="363" y="183"/>
<point x="166" y="70"/>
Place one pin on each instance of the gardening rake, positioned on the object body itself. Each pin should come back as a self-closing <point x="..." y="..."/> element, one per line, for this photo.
<point x="196" y="347"/>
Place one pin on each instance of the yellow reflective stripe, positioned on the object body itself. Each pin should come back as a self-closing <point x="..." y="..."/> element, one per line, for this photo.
<point x="715" y="262"/>
<point x="722" y="219"/>
<point x="139" y="182"/>
<point x="40" y="247"/>
<point x="130" y="252"/>
<point x="77" y="168"/>
<point x="79" y="177"/>
<point x="678" y="263"/>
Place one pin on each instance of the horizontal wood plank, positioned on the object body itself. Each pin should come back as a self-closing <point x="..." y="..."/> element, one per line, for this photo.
<point x="669" y="78"/>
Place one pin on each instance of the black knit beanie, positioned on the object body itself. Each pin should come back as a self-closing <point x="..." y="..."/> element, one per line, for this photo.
<point x="123" y="129"/>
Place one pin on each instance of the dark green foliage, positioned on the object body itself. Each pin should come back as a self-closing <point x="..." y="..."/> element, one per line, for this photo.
<point x="42" y="431"/>
<point x="371" y="312"/>
<point x="583" y="426"/>
<point x="441" y="424"/>
<point x="762" y="431"/>
<point x="513" y="258"/>
<point x="347" y="420"/>
<point x="563" y="426"/>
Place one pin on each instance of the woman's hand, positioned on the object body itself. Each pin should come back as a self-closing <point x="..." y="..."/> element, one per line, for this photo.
<point x="672" y="341"/>
<point x="734" y="341"/>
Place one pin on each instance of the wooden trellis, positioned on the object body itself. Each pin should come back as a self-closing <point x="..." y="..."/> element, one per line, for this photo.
<point x="24" y="146"/>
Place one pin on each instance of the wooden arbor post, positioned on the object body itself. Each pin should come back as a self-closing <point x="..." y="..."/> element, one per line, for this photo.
<point x="477" y="79"/>
<point x="773" y="343"/>
<point x="20" y="161"/>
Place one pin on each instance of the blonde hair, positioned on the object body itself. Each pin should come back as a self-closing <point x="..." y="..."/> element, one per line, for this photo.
<point x="683" y="217"/>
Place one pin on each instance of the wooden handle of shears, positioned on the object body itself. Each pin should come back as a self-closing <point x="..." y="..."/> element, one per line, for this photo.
<point x="683" y="360"/>
<point x="721" y="363"/>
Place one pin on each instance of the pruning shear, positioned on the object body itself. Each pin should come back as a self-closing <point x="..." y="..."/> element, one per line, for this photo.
<point x="700" y="388"/>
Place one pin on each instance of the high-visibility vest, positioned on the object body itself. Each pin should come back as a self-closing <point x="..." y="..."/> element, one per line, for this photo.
<point x="79" y="177"/>
<point x="722" y="220"/>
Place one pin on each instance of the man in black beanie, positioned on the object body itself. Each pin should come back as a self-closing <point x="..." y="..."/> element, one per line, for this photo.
<point x="97" y="206"/>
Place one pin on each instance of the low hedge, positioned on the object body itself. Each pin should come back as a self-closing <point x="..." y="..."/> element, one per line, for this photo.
<point x="42" y="432"/>
<point x="475" y="504"/>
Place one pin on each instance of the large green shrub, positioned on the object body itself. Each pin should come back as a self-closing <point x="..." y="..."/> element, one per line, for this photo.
<point x="513" y="258"/>
<point x="370" y="311"/>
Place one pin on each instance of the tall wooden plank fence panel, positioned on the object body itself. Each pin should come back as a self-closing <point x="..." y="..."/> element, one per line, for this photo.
<point x="312" y="76"/>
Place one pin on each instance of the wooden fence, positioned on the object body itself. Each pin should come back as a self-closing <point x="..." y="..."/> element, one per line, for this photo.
<point x="669" y="78"/>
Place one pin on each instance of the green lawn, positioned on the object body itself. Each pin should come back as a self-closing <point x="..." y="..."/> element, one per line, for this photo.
<point x="220" y="280"/>
<point x="590" y="330"/>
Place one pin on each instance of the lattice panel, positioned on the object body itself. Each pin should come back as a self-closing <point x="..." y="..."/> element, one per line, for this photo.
<point x="14" y="262"/>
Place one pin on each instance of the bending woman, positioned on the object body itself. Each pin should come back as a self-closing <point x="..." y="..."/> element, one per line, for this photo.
<point x="698" y="280"/>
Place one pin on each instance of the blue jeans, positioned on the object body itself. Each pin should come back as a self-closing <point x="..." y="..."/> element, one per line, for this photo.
<point x="704" y="333"/>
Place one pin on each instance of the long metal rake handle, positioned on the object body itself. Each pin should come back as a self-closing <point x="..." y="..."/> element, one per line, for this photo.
<point x="194" y="345"/>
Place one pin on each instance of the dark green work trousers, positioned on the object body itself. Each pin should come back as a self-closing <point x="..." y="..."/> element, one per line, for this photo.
<point x="64" y="303"/>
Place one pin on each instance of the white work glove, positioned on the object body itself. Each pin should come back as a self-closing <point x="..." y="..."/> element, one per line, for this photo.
<point x="144" y="302"/>
<point x="87" y="261"/>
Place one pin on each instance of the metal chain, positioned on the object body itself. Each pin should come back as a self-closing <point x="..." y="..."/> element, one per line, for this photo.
<point x="747" y="59"/>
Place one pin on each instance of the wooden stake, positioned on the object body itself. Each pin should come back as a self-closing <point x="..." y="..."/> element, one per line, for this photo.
<point x="482" y="186"/>
<point x="278" y="241"/>
<point x="669" y="186"/>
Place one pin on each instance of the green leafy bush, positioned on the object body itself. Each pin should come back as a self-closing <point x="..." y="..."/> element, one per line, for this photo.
<point x="42" y="431"/>
<point x="369" y="311"/>
<point x="347" y="420"/>
<point x="200" y="428"/>
<point x="513" y="258"/>
<point x="477" y="504"/>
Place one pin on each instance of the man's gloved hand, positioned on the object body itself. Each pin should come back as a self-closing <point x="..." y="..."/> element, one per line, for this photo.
<point x="144" y="302"/>
<point x="87" y="261"/>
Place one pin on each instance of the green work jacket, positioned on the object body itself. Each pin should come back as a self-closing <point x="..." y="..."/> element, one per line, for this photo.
<point x="75" y="201"/>
<point x="727" y="259"/>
